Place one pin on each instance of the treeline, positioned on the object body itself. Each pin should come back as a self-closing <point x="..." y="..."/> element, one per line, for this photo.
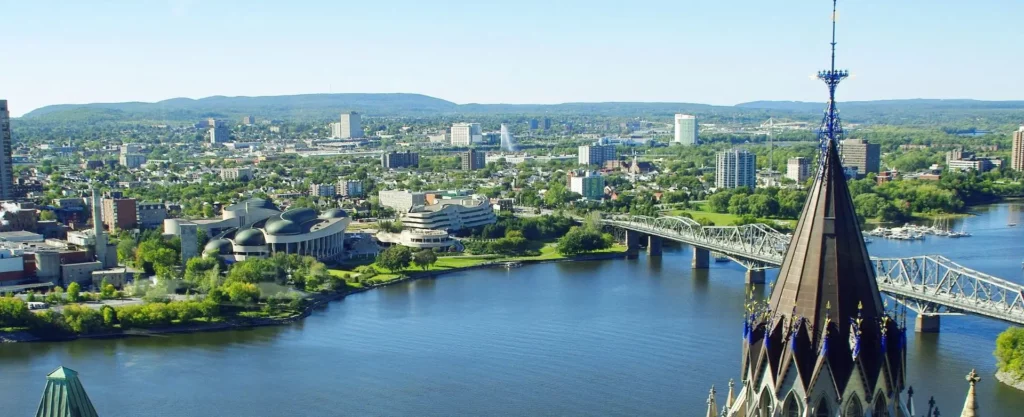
<point x="770" y="202"/>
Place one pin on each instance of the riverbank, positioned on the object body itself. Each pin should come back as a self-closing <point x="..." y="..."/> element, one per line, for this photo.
<point x="313" y="303"/>
<point x="1009" y="380"/>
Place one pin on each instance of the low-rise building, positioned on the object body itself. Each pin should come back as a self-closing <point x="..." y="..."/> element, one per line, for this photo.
<point x="350" y="188"/>
<point x="418" y="238"/>
<point x="236" y="174"/>
<point x="323" y="190"/>
<point x="151" y="215"/>
<point x="451" y="214"/>
<point x="393" y="160"/>
<point x="120" y="213"/>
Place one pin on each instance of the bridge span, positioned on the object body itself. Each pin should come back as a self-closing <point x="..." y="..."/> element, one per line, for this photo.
<point x="932" y="286"/>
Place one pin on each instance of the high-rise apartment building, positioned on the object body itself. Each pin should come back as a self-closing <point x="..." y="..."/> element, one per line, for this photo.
<point x="120" y="213"/>
<point x="350" y="126"/>
<point x="858" y="153"/>
<point x="588" y="185"/>
<point x="392" y="160"/>
<point x="736" y="168"/>
<point x="473" y="160"/>
<point x="6" y="163"/>
<point x="1016" y="156"/>
<point x="596" y="154"/>
<point x="686" y="130"/>
<point x="798" y="169"/>
<point x="131" y="155"/>
<point x="248" y="120"/>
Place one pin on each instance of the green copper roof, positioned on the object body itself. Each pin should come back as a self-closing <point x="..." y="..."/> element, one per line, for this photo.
<point x="64" y="396"/>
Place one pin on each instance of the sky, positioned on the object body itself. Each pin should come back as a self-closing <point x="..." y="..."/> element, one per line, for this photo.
<point x="720" y="52"/>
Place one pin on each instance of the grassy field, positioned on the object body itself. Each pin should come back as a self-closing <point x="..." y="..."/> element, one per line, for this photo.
<point x="547" y="253"/>
<point x="726" y="219"/>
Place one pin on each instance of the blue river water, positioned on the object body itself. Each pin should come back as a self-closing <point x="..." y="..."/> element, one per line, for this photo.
<point x="646" y="336"/>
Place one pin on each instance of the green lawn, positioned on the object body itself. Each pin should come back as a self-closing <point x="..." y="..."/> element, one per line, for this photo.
<point x="547" y="252"/>
<point x="725" y="219"/>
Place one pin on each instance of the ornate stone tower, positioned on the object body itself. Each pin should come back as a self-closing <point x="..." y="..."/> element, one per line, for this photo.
<point x="824" y="345"/>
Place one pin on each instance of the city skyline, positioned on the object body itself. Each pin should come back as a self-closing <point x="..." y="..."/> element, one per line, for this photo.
<point x="128" y="52"/>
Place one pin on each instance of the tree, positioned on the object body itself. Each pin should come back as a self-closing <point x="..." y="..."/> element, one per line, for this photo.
<point x="395" y="258"/>
<point x="47" y="215"/>
<point x="126" y="250"/>
<point x="580" y="240"/>
<point x="13" y="312"/>
<point x="74" y="290"/>
<point x="109" y="315"/>
<point x="424" y="258"/>
<point x="1009" y="352"/>
<point x="242" y="293"/>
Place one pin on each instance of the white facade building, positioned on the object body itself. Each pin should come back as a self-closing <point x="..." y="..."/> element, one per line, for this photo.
<point x="589" y="186"/>
<point x="299" y="231"/>
<point x="418" y="238"/>
<point x="596" y="154"/>
<point x="350" y="126"/>
<point x="451" y="214"/>
<point x="401" y="201"/>
<point x="736" y="168"/>
<point x="686" y="130"/>
<point x="465" y="134"/>
<point x="798" y="169"/>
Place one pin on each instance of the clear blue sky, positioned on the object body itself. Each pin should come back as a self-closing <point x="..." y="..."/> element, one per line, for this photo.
<point x="525" y="51"/>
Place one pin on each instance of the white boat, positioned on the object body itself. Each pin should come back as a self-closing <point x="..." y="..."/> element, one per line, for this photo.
<point x="719" y="257"/>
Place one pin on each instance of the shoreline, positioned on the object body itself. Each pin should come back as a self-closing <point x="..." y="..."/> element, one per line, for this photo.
<point x="315" y="302"/>
<point x="1009" y="381"/>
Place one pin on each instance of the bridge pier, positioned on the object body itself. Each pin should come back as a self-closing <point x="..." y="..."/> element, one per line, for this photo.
<point x="701" y="258"/>
<point x="927" y="323"/>
<point x="755" y="276"/>
<point x="653" y="246"/>
<point x="632" y="243"/>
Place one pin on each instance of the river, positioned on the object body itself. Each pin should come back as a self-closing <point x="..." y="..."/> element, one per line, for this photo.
<point x="647" y="336"/>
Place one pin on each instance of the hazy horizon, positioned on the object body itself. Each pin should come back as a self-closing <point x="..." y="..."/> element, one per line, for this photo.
<point x="527" y="52"/>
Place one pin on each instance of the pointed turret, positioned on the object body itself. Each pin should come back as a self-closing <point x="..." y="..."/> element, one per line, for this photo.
<point x="824" y="325"/>
<point x="64" y="396"/>
<point x="712" y="406"/>
<point x="970" y="404"/>
<point x="729" y="397"/>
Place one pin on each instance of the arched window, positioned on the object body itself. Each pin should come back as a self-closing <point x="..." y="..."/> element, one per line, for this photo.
<point x="881" y="410"/>
<point x="764" y="407"/>
<point x="791" y="407"/>
<point x="822" y="409"/>
<point x="853" y="408"/>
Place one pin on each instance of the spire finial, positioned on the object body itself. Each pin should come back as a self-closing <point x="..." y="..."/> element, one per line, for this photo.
<point x="970" y="404"/>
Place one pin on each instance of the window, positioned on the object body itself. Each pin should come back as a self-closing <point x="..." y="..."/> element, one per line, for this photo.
<point x="853" y="408"/>
<point x="822" y="410"/>
<point x="765" y="406"/>
<point x="792" y="408"/>
<point x="881" y="410"/>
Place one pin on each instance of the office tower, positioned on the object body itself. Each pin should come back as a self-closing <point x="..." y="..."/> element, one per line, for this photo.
<point x="219" y="132"/>
<point x="686" y="130"/>
<point x="736" y="168"/>
<point x="1016" y="157"/>
<point x="392" y="160"/>
<point x="462" y="134"/>
<point x="350" y="126"/>
<point x="473" y="160"/>
<point x="534" y="124"/>
<point x="507" y="142"/>
<point x="6" y="163"/>
<point x="798" y="169"/>
<point x="596" y="154"/>
<point x="546" y="124"/>
<point x="858" y="153"/>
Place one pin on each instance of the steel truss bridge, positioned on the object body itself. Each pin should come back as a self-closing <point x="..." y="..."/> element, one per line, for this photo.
<point x="930" y="285"/>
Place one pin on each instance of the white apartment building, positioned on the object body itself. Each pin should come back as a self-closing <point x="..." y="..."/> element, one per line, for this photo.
<point x="350" y="126"/>
<point x="596" y="154"/>
<point x="465" y="134"/>
<point x="686" y="130"/>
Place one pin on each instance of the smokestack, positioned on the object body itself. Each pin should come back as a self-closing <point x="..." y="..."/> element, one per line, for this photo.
<point x="97" y="225"/>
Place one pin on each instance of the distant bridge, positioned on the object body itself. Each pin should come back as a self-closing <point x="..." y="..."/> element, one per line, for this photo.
<point x="930" y="285"/>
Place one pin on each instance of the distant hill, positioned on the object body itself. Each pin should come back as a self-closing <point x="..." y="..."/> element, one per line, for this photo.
<point x="911" y="105"/>
<point x="320" y="107"/>
<point x="293" y="106"/>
